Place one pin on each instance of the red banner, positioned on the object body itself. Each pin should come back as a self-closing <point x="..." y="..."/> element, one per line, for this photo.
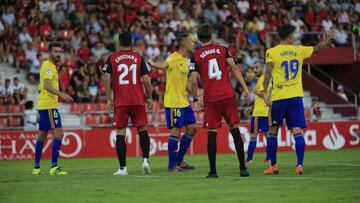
<point x="15" y="145"/>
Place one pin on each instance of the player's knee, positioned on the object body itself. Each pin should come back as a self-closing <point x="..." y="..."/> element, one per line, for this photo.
<point x="121" y="131"/>
<point x="296" y="131"/>
<point x="175" y="132"/>
<point x="142" y="128"/>
<point x="42" y="136"/>
<point x="191" y="130"/>
<point x="273" y="129"/>
<point x="253" y="136"/>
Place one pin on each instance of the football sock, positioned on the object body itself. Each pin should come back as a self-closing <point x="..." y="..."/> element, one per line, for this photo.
<point x="121" y="150"/>
<point x="300" y="148"/>
<point x="267" y="152"/>
<point x="251" y="148"/>
<point x="211" y="148"/>
<point x="55" y="151"/>
<point x="185" y="142"/>
<point x="145" y="143"/>
<point x="38" y="152"/>
<point x="272" y="144"/>
<point x="172" y="150"/>
<point x="239" y="146"/>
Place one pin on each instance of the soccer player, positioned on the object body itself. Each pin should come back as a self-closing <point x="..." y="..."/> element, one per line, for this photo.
<point x="211" y="62"/>
<point x="129" y="73"/>
<point x="260" y="113"/>
<point x="178" y="111"/>
<point x="284" y="66"/>
<point x="49" y="118"/>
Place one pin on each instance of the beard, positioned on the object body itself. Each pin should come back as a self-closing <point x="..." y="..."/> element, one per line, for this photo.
<point x="56" y="59"/>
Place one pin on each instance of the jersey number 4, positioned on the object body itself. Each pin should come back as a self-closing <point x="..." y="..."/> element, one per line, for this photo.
<point x="293" y="66"/>
<point x="214" y="71"/>
<point x="125" y="71"/>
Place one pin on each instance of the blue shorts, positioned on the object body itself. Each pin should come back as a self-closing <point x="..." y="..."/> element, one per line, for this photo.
<point x="291" y="109"/>
<point x="259" y="125"/>
<point x="49" y="119"/>
<point x="179" y="117"/>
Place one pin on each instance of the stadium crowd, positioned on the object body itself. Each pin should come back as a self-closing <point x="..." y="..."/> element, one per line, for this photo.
<point x="89" y="30"/>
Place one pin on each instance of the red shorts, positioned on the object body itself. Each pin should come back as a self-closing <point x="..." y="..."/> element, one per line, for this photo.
<point x="137" y="115"/>
<point x="214" y="111"/>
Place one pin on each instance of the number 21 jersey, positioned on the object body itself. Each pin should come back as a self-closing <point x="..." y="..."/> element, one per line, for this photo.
<point x="287" y="70"/>
<point x="126" y="69"/>
<point x="210" y="62"/>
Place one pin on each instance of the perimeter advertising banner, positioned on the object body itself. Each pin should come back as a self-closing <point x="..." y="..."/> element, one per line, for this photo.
<point x="16" y="145"/>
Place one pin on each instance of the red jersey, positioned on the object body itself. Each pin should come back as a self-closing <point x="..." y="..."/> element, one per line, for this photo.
<point x="126" y="69"/>
<point x="210" y="62"/>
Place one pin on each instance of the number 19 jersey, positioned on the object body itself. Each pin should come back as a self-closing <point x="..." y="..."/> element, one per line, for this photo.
<point x="126" y="69"/>
<point x="210" y="62"/>
<point x="287" y="70"/>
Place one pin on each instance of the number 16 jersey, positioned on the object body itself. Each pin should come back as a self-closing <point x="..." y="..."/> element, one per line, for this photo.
<point x="287" y="70"/>
<point x="126" y="69"/>
<point x="210" y="62"/>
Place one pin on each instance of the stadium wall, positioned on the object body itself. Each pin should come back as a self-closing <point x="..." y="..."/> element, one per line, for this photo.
<point x="19" y="145"/>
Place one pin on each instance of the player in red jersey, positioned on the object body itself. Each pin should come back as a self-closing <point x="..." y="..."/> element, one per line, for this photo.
<point x="129" y="73"/>
<point x="211" y="62"/>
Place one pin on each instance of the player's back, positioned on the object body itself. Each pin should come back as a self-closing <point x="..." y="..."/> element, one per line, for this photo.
<point x="210" y="62"/>
<point x="287" y="70"/>
<point x="126" y="68"/>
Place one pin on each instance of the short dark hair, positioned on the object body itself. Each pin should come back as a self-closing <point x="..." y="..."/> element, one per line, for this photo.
<point x="16" y="78"/>
<point x="125" y="39"/>
<point x="204" y="33"/>
<point x="29" y="104"/>
<point x="54" y="44"/>
<point x="285" y="31"/>
<point x="181" y="37"/>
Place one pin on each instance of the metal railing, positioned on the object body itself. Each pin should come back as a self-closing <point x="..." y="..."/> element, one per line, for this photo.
<point x="334" y="83"/>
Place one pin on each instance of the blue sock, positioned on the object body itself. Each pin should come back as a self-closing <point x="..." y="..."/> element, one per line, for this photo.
<point x="272" y="143"/>
<point x="300" y="148"/>
<point x="267" y="152"/>
<point x="55" y="151"/>
<point x="184" y="146"/>
<point x="251" y="149"/>
<point x="172" y="150"/>
<point x="38" y="152"/>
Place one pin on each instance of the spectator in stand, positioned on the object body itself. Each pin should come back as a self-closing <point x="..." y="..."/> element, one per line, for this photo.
<point x="24" y="37"/>
<point x="2" y="93"/>
<point x="8" y="17"/>
<point x="315" y="109"/>
<point x="20" y="91"/>
<point x="341" y="92"/>
<point x="34" y="70"/>
<point x="58" y="15"/>
<point x="243" y="6"/>
<point x="83" y="53"/>
<point x="327" y="23"/>
<point x="98" y="51"/>
<point x="93" y="90"/>
<point x="211" y="14"/>
<point x="45" y="28"/>
<point x="9" y="92"/>
<point x="341" y="36"/>
<point x="30" y="117"/>
<point x="343" y="17"/>
<point x="299" y="24"/>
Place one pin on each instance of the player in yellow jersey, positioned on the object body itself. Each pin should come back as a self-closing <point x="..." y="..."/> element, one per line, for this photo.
<point x="49" y="115"/>
<point x="178" y="111"/>
<point x="260" y="113"/>
<point x="284" y="66"/>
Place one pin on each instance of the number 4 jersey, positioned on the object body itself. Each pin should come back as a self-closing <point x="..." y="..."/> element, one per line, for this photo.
<point x="210" y="62"/>
<point x="126" y="69"/>
<point x="287" y="70"/>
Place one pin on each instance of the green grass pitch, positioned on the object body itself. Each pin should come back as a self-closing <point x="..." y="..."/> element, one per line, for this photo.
<point x="330" y="176"/>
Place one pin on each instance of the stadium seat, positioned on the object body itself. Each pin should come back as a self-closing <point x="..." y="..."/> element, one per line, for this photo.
<point x="76" y="108"/>
<point x="102" y="106"/>
<point x="90" y="119"/>
<point x="12" y="109"/>
<point x="3" y="122"/>
<point x="21" y="108"/>
<point x="104" y="119"/>
<point x="13" y="121"/>
<point x="66" y="35"/>
<point x="162" y="118"/>
<point x="44" y="46"/>
<point x="2" y="108"/>
<point x="199" y="116"/>
<point x="89" y="107"/>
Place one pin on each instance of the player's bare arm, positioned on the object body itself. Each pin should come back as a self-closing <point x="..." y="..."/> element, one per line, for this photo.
<point x="107" y="83"/>
<point x="160" y="65"/>
<point x="259" y="94"/>
<point x="52" y="90"/>
<point x="326" y="41"/>
<point x="148" y="90"/>
<point x="267" y="78"/>
<point x="194" y="84"/>
<point x="238" y="75"/>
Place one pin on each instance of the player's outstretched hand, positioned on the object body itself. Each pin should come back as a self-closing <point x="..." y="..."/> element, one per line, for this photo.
<point x="110" y="106"/>
<point x="330" y="33"/>
<point x="150" y="61"/>
<point x="267" y="99"/>
<point x="246" y="93"/>
<point x="66" y="97"/>
<point x="149" y="104"/>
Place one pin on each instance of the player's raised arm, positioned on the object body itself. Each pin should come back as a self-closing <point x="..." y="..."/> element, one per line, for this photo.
<point x="160" y="65"/>
<point x="238" y="75"/>
<point x="52" y="90"/>
<point x="326" y="41"/>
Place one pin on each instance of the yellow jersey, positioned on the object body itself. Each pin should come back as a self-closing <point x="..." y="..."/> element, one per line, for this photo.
<point x="47" y="100"/>
<point x="287" y="70"/>
<point x="260" y="107"/>
<point x="176" y="80"/>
